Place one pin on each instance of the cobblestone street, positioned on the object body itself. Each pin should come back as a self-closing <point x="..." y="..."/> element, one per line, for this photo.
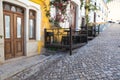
<point x="98" y="60"/>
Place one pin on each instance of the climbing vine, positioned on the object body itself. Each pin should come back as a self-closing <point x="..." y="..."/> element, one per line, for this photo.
<point x="88" y="6"/>
<point x="60" y="6"/>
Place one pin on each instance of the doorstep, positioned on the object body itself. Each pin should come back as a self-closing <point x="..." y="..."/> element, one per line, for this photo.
<point x="12" y="67"/>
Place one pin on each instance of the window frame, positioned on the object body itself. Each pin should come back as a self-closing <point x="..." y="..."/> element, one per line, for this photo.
<point x="10" y="5"/>
<point x="34" y="20"/>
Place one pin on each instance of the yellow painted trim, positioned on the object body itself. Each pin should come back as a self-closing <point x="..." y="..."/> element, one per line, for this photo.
<point x="44" y="21"/>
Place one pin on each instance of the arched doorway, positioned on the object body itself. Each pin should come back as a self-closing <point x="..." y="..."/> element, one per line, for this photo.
<point x="13" y="30"/>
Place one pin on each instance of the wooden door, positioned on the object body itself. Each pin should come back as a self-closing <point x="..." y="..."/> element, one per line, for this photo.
<point x="13" y="31"/>
<point x="8" y="33"/>
<point x="73" y="15"/>
<point x="83" y="22"/>
<point x="18" y="35"/>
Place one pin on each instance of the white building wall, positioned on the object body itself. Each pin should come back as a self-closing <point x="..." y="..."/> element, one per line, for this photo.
<point x="1" y="33"/>
<point x="101" y="14"/>
<point x="30" y="45"/>
<point x="114" y="10"/>
<point x="78" y="15"/>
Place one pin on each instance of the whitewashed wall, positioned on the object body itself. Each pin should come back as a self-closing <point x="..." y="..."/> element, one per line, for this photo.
<point x="114" y="10"/>
<point x="101" y="14"/>
<point x="30" y="46"/>
<point x="78" y="15"/>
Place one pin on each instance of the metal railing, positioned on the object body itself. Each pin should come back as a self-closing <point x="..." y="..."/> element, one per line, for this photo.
<point x="65" y="38"/>
<point x="69" y="38"/>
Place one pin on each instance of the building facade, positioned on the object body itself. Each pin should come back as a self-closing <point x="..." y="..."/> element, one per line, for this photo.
<point x="22" y="24"/>
<point x="113" y="13"/>
<point x="73" y="13"/>
<point x="20" y="28"/>
<point x="100" y="15"/>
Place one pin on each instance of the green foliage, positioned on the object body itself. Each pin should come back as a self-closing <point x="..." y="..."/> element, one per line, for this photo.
<point x="108" y="1"/>
<point x="87" y="19"/>
<point x="82" y="3"/>
<point x="1" y="36"/>
<point x="47" y="13"/>
<point x="60" y="6"/>
<point x="89" y="7"/>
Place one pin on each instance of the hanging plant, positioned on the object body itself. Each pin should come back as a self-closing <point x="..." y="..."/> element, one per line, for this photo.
<point x="60" y="17"/>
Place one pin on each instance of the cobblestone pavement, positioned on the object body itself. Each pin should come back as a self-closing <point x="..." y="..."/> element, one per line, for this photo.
<point x="98" y="60"/>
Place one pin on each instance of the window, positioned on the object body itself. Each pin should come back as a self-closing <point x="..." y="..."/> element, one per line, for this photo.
<point x="7" y="26"/>
<point x="6" y="6"/>
<point x="12" y="8"/>
<point x="32" y="28"/>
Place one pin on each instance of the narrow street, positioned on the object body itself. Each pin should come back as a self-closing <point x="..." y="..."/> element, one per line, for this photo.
<point x="98" y="60"/>
<point x="59" y="39"/>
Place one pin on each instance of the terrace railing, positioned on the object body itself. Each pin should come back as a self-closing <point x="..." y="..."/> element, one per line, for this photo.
<point x="68" y="38"/>
<point x="65" y="38"/>
<point x="93" y="31"/>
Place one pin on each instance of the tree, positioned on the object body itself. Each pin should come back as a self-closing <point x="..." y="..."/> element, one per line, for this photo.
<point x="88" y="7"/>
<point x="108" y="1"/>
